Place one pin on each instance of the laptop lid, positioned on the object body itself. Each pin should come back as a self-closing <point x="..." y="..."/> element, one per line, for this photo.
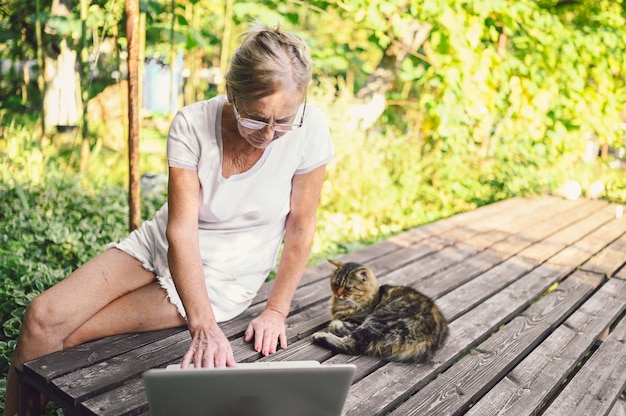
<point x="290" y="388"/>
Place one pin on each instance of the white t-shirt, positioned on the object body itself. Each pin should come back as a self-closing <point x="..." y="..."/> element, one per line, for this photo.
<point x="241" y="218"/>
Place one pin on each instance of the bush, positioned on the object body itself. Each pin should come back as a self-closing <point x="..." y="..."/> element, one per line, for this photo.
<point x="47" y="230"/>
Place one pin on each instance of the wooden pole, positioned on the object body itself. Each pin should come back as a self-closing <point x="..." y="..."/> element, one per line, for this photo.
<point x="132" y="37"/>
<point x="83" y="60"/>
<point x="172" y="101"/>
<point x="40" y="63"/>
<point x="225" y="46"/>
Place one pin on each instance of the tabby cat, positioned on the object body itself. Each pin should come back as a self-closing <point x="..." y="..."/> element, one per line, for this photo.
<point x="395" y="323"/>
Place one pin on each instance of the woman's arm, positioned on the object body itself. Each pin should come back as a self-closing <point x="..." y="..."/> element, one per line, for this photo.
<point x="269" y="327"/>
<point x="209" y="346"/>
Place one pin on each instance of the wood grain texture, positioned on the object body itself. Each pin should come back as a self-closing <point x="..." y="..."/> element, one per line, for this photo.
<point x="454" y="391"/>
<point x="393" y="383"/>
<point x="610" y="259"/>
<point x="527" y="388"/>
<point x="596" y="387"/>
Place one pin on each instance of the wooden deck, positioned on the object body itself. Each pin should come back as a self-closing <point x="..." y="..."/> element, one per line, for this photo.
<point x="534" y="290"/>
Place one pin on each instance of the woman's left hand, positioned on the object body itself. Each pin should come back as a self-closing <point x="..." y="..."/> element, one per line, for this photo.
<point x="268" y="330"/>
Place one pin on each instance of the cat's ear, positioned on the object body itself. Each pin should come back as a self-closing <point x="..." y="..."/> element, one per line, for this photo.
<point x="335" y="264"/>
<point x="362" y="274"/>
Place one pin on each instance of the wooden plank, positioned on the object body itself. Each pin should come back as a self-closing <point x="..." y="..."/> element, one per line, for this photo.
<point x="393" y="383"/>
<point x="442" y="282"/>
<point x="63" y="362"/>
<point x="556" y="222"/>
<point x="500" y="251"/>
<point x="550" y="224"/>
<point x="28" y="396"/>
<point x="598" y="385"/>
<point x="423" y="232"/>
<point x="509" y="219"/>
<point x="526" y="389"/>
<point x="487" y="239"/>
<point x="609" y="260"/>
<point x="415" y="272"/>
<point x="467" y="224"/>
<point x="534" y="213"/>
<point x="592" y="243"/>
<point x="445" y="226"/>
<point x="598" y="217"/>
<point x="619" y="408"/>
<point x="510" y="223"/>
<point x="365" y="365"/>
<point x="88" y="382"/>
<point x="406" y="255"/>
<point x="559" y="226"/>
<point x="482" y="287"/>
<point x="370" y="253"/>
<point x="453" y="391"/>
<point x="487" y="213"/>
<point x="543" y="250"/>
<point x="127" y="399"/>
<point x="556" y="242"/>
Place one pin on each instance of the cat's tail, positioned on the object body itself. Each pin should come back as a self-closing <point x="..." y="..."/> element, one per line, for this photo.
<point x="423" y="350"/>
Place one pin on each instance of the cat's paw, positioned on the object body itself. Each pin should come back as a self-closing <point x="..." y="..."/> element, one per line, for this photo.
<point x="338" y="327"/>
<point x="335" y="326"/>
<point x="320" y="337"/>
<point x="334" y="342"/>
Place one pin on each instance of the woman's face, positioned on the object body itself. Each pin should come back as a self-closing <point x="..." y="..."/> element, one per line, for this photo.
<point x="281" y="108"/>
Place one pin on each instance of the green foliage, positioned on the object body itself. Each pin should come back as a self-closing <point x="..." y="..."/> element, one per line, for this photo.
<point x="380" y="185"/>
<point x="39" y="245"/>
<point x="52" y="220"/>
<point x="47" y="230"/>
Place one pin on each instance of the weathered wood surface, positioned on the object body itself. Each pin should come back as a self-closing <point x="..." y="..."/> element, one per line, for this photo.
<point x="534" y="290"/>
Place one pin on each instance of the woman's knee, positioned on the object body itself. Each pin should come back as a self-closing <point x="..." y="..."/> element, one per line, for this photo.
<point x="40" y="322"/>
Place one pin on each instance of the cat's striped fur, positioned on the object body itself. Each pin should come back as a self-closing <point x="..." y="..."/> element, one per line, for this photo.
<point x="396" y="323"/>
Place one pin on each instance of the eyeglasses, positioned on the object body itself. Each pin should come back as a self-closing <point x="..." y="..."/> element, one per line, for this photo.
<point x="259" y="125"/>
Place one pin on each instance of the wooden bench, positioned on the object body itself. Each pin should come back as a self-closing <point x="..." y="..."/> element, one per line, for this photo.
<point x="534" y="290"/>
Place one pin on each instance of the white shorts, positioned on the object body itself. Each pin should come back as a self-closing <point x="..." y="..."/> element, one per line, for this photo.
<point x="230" y="294"/>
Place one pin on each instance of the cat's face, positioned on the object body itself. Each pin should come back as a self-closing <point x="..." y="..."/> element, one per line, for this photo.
<point x="352" y="281"/>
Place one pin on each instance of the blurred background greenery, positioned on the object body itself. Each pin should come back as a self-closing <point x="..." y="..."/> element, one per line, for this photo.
<point x="435" y="108"/>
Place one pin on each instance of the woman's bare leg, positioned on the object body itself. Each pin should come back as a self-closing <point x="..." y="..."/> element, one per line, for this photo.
<point x="144" y="309"/>
<point x="110" y="294"/>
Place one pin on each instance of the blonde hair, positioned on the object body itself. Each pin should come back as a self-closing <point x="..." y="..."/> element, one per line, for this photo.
<point x="268" y="59"/>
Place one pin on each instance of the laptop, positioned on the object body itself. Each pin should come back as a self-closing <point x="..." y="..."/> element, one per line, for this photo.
<point x="285" y="388"/>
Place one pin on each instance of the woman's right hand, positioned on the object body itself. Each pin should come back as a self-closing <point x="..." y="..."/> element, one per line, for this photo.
<point x="209" y="348"/>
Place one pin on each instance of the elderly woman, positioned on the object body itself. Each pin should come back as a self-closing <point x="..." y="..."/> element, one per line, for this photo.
<point x="245" y="174"/>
